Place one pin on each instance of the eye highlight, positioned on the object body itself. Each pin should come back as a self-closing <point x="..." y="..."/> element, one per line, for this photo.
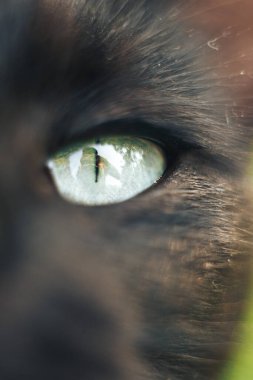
<point x="107" y="170"/>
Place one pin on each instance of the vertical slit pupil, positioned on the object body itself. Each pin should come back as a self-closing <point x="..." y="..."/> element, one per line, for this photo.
<point x="97" y="162"/>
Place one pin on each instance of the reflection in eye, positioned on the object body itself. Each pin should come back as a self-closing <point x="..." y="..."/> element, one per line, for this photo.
<point x="109" y="170"/>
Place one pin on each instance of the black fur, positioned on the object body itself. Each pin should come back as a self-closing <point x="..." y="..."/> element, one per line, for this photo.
<point x="151" y="288"/>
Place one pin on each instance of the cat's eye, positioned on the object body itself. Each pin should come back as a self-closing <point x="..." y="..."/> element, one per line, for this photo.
<point x="107" y="170"/>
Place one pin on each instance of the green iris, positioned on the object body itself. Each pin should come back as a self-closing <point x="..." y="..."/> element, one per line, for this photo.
<point x="108" y="170"/>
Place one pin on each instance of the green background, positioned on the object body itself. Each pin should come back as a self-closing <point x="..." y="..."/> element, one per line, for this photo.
<point x="241" y="367"/>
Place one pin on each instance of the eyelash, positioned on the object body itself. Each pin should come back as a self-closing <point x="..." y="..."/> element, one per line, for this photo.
<point x="61" y="138"/>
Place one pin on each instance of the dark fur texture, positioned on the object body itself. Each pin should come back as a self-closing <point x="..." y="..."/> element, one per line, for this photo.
<point x="151" y="288"/>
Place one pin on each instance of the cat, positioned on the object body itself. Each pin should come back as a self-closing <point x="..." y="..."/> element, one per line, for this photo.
<point x="154" y="287"/>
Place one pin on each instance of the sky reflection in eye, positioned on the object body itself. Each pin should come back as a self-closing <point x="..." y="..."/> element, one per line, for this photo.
<point x="107" y="170"/>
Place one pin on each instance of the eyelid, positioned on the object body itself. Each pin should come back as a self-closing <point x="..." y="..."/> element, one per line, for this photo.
<point x="173" y="137"/>
<point x="134" y="128"/>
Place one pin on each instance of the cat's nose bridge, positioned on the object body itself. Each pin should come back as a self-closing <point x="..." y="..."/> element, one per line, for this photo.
<point x="44" y="238"/>
<point x="31" y="226"/>
<point x="58" y="293"/>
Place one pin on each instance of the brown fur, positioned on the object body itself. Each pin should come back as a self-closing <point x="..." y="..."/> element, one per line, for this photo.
<point x="151" y="288"/>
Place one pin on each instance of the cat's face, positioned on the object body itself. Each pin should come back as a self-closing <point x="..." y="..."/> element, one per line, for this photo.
<point x="152" y="287"/>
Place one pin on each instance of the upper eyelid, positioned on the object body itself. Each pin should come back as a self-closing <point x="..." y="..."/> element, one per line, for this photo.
<point x="169" y="135"/>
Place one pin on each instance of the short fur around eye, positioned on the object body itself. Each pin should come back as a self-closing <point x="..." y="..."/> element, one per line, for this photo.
<point x="152" y="288"/>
